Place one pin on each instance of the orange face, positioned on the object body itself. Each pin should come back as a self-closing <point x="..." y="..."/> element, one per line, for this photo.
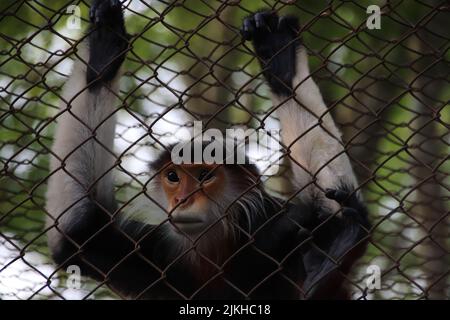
<point x="191" y="187"/>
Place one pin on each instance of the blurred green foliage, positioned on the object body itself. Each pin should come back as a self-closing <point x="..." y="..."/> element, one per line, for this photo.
<point x="376" y="82"/>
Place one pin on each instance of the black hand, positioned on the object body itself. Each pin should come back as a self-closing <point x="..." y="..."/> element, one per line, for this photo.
<point x="352" y="207"/>
<point x="276" y="40"/>
<point x="108" y="41"/>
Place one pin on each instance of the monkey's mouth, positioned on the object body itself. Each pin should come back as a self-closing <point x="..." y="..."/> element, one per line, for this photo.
<point x="187" y="223"/>
<point x="186" y="220"/>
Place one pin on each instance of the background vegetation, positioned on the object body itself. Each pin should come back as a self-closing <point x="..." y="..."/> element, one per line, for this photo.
<point x="388" y="89"/>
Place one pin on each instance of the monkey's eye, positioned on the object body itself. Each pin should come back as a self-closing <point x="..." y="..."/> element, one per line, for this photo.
<point x="205" y="175"/>
<point x="172" y="176"/>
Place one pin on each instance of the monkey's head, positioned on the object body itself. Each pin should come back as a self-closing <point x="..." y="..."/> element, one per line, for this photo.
<point x="206" y="202"/>
<point x="191" y="191"/>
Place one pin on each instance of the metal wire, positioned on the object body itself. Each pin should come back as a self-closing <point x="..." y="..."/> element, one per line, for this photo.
<point x="388" y="89"/>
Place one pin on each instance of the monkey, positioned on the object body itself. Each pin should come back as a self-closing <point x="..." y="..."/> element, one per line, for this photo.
<point x="223" y="236"/>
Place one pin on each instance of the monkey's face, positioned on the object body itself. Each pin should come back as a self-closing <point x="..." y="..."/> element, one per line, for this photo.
<point x="193" y="194"/>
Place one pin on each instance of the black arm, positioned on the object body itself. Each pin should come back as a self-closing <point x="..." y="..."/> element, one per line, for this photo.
<point x="80" y="199"/>
<point x="336" y="221"/>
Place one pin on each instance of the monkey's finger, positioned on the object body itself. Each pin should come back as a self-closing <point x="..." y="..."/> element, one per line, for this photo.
<point x="266" y="20"/>
<point x="94" y="6"/>
<point x="107" y="12"/>
<point x="98" y="9"/>
<point x="337" y="195"/>
<point x="115" y="3"/>
<point x="259" y="20"/>
<point x="248" y="28"/>
<point x="290" y="24"/>
<point x="329" y="193"/>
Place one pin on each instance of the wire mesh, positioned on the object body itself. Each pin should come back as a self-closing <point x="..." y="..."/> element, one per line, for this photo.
<point x="388" y="90"/>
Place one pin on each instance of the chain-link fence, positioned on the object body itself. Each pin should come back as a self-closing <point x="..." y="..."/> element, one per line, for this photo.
<point x="387" y="88"/>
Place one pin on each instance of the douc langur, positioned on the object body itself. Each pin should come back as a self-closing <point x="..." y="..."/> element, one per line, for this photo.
<point x="224" y="236"/>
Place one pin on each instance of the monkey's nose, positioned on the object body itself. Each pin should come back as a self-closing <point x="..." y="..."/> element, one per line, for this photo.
<point x="184" y="202"/>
